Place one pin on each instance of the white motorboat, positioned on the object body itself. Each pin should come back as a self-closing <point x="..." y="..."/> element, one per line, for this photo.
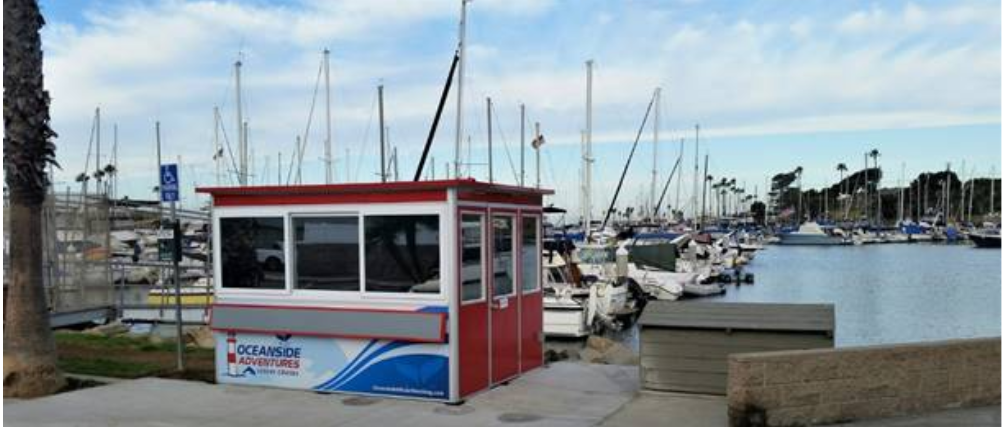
<point x="811" y="234"/>
<point x="700" y="289"/>
<point x="660" y="284"/>
<point x="577" y="308"/>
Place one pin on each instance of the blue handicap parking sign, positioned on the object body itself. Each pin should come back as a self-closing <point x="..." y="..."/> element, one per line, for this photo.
<point x="169" y="182"/>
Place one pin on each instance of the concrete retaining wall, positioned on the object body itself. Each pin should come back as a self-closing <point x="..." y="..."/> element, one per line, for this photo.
<point x="790" y="388"/>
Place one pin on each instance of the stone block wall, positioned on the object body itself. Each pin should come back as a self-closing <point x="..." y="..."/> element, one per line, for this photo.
<point x="796" y="388"/>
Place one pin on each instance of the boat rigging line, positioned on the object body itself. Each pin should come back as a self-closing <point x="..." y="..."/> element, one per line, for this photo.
<point x="438" y="115"/>
<point x="626" y="166"/>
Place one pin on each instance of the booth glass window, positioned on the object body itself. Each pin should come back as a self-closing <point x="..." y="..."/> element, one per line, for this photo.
<point x="471" y="231"/>
<point x="504" y="267"/>
<point x="327" y="253"/>
<point x="530" y="254"/>
<point x="252" y="253"/>
<point x="402" y="253"/>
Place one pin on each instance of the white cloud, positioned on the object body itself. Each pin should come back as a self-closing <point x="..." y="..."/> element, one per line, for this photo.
<point x="875" y="68"/>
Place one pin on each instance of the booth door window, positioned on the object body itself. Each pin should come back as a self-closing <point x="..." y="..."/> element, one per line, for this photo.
<point x="530" y="254"/>
<point x="252" y="253"/>
<point x="504" y="304"/>
<point x="472" y="252"/>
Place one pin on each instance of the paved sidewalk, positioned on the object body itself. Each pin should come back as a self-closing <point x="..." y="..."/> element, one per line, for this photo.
<point x="563" y="394"/>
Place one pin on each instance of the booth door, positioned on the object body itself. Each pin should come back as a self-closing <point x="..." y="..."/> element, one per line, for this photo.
<point x="504" y="299"/>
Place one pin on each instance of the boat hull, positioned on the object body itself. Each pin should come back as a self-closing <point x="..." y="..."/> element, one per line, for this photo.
<point x="794" y="239"/>
<point x="985" y="240"/>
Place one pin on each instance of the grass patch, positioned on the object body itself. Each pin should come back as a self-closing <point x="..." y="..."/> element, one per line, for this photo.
<point x="129" y="357"/>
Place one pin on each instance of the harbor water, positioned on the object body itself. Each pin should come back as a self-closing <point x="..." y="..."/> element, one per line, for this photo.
<point x="883" y="294"/>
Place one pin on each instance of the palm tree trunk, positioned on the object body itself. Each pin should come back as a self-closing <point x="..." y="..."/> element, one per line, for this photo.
<point x="29" y="351"/>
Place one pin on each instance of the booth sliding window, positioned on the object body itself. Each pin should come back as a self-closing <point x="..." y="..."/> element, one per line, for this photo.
<point x="252" y="253"/>
<point x="471" y="233"/>
<point x="402" y="253"/>
<point x="530" y="254"/>
<point x="503" y="281"/>
<point x="327" y="253"/>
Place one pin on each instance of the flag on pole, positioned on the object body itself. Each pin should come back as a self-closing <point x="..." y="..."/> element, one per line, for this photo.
<point x="538" y="142"/>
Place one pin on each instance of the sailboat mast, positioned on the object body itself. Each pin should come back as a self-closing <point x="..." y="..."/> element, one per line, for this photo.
<point x="328" y="164"/>
<point x="902" y="194"/>
<point x="522" y="145"/>
<point x="459" y="87"/>
<point x="537" y="149"/>
<point x="383" y="145"/>
<point x="114" y="161"/>
<point x="679" y="182"/>
<point x="947" y="195"/>
<point x="218" y="153"/>
<point x="654" y="149"/>
<point x="588" y="148"/>
<point x="241" y="142"/>
<point x="696" y="172"/>
<point x="97" y="158"/>
<point x="491" y="172"/>
<point x="992" y="190"/>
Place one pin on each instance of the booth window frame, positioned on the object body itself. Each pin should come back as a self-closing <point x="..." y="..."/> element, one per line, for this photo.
<point x="362" y="255"/>
<point x="217" y="257"/>
<point x="287" y="212"/>
<point x="292" y="274"/>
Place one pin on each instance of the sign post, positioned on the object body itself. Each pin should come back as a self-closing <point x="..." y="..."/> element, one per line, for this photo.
<point x="169" y="189"/>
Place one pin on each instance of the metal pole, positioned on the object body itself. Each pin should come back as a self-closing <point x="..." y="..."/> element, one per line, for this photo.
<point x="522" y="145"/>
<point x="328" y="165"/>
<point x="383" y="136"/>
<point x="491" y="171"/>
<point x="588" y="150"/>
<point x="176" y="226"/>
<point x="160" y="205"/>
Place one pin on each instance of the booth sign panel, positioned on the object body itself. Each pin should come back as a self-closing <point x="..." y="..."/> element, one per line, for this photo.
<point x="374" y="366"/>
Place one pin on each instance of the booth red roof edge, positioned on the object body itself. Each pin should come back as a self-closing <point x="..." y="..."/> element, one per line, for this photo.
<point x="373" y="187"/>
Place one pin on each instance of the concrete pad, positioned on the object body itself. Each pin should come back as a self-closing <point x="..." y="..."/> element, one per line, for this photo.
<point x="671" y="409"/>
<point x="563" y="394"/>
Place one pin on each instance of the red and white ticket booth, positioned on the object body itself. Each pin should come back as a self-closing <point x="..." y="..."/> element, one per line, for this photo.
<point x="427" y="290"/>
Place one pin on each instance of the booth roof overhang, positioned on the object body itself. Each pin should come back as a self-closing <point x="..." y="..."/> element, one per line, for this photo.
<point x="379" y="192"/>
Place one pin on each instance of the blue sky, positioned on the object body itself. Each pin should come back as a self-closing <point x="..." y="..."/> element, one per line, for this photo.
<point x="773" y="84"/>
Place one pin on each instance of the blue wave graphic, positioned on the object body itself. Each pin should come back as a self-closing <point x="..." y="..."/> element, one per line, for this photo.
<point x="348" y="373"/>
<point x="414" y="375"/>
<point x="350" y="365"/>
